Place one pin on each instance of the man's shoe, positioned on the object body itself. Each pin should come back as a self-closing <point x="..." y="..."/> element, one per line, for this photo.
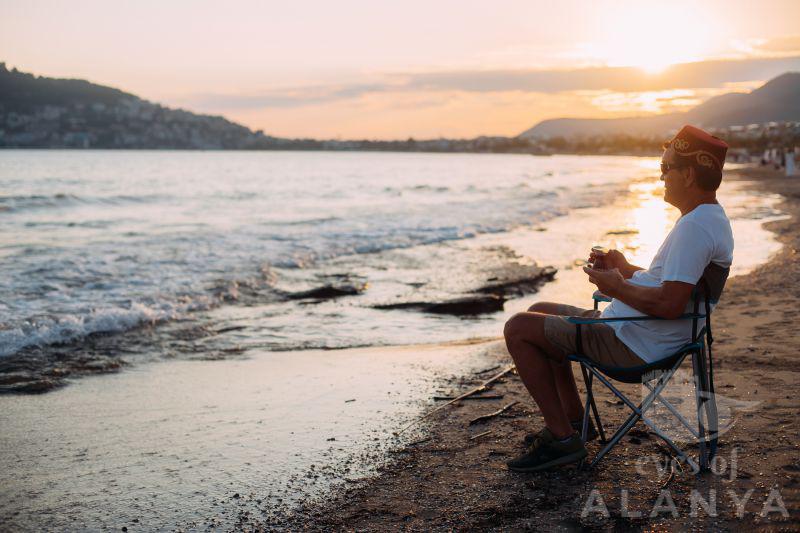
<point x="547" y="452"/>
<point x="577" y="425"/>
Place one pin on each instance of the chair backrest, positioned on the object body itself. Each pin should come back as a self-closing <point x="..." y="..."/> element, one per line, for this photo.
<point x="709" y="290"/>
<point x="712" y="282"/>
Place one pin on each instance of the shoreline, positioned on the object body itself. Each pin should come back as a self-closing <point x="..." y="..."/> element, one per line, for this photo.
<point x="456" y="478"/>
<point x="634" y="153"/>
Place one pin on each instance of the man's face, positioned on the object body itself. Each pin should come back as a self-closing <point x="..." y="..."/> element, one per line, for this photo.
<point x="674" y="179"/>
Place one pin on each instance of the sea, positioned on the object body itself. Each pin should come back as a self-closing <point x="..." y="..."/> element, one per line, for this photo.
<point x="175" y="307"/>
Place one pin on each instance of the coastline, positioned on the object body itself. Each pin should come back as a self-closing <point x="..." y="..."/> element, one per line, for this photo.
<point x="457" y="479"/>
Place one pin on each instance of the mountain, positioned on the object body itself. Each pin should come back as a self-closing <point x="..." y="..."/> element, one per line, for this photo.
<point x="65" y="113"/>
<point x="574" y="127"/>
<point x="777" y="100"/>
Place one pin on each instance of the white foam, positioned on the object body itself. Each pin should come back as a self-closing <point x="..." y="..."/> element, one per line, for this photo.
<point x="69" y="328"/>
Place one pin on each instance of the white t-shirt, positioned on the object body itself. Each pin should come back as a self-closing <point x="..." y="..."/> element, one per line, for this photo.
<point x="698" y="238"/>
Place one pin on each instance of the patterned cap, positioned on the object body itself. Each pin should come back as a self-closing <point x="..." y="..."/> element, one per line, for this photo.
<point x="694" y="143"/>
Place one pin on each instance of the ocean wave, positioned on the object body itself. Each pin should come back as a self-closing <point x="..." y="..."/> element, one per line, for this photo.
<point x="44" y="331"/>
<point x="11" y="203"/>
<point x="302" y="222"/>
<point x="417" y="189"/>
<point x="34" y="201"/>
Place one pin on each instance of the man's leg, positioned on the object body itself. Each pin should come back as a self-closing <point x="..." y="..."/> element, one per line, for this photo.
<point x="524" y="333"/>
<point x="562" y="371"/>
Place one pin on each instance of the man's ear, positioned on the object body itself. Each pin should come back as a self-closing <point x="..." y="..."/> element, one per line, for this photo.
<point x="690" y="178"/>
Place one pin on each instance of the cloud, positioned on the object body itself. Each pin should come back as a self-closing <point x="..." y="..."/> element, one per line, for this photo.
<point x="776" y="46"/>
<point x="622" y="79"/>
<point x="704" y="74"/>
<point x="291" y="97"/>
<point x="650" y="102"/>
<point x="789" y="44"/>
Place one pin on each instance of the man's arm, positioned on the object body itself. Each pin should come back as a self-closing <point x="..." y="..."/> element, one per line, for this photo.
<point x="628" y="270"/>
<point x="666" y="301"/>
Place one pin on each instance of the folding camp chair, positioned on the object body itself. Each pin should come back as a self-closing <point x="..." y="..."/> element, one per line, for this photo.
<point x="655" y="376"/>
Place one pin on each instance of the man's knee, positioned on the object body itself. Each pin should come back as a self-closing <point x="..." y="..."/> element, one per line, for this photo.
<point x="512" y="327"/>
<point x="522" y="326"/>
<point x="547" y="308"/>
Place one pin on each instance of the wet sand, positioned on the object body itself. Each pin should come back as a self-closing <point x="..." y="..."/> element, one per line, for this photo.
<point x="457" y="480"/>
<point x="183" y="443"/>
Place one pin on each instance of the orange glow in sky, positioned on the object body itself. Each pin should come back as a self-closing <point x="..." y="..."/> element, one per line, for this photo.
<point x="365" y="69"/>
<point x="654" y="36"/>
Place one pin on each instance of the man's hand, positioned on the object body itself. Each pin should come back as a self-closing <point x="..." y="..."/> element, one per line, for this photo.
<point x="616" y="259"/>
<point x="612" y="259"/>
<point x="608" y="281"/>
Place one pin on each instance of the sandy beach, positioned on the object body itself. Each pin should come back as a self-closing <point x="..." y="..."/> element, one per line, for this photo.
<point x="457" y="479"/>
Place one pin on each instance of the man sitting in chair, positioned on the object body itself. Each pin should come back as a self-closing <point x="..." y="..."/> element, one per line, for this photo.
<point x="540" y="340"/>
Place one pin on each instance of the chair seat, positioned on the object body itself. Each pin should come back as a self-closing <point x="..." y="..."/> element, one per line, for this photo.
<point x="635" y="374"/>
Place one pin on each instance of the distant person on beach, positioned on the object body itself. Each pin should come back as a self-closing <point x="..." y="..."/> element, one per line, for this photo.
<point x="540" y="340"/>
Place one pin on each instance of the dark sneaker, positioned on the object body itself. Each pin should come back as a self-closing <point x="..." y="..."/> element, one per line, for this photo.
<point x="591" y="432"/>
<point x="547" y="452"/>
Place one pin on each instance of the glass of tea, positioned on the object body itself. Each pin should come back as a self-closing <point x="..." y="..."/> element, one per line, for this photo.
<point x="599" y="257"/>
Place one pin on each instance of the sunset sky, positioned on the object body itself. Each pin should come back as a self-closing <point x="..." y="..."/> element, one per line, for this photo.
<point x="372" y="69"/>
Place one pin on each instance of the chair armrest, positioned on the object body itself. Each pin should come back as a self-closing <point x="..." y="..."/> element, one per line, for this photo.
<point x="600" y="297"/>
<point x="582" y="320"/>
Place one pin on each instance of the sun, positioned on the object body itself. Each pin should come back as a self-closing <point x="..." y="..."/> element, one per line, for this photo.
<point x="652" y="37"/>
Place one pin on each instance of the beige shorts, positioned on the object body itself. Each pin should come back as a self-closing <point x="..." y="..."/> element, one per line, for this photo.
<point x="599" y="341"/>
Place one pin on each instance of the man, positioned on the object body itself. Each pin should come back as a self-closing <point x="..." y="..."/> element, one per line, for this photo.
<point x="540" y="339"/>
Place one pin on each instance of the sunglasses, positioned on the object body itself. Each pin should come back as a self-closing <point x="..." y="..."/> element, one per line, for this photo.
<point x="666" y="167"/>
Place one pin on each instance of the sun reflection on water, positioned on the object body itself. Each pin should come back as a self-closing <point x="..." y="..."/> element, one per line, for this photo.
<point x="650" y="221"/>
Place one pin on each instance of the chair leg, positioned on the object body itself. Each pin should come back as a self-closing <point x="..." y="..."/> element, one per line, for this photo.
<point x="616" y="438"/>
<point x="586" y="407"/>
<point x="588" y="379"/>
<point x="699" y="387"/>
<point x="710" y="402"/>
<point x="680" y="453"/>
<point x="585" y="421"/>
<point x="676" y="413"/>
<point x="713" y="426"/>
<point x="598" y="423"/>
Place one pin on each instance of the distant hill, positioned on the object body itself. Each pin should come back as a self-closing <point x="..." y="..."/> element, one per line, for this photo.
<point x="64" y="113"/>
<point x="41" y="112"/>
<point x="776" y="100"/>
